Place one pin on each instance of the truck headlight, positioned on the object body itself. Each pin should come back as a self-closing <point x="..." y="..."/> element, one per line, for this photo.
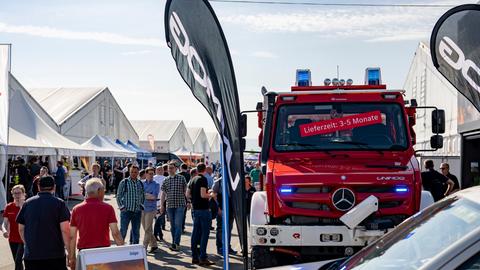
<point x="261" y="231"/>
<point x="325" y="238"/>
<point x="274" y="231"/>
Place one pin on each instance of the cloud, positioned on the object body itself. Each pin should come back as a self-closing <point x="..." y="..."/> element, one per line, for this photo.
<point x="373" y="24"/>
<point x="263" y="54"/>
<point x="136" y="52"/>
<point x="234" y="52"/>
<point x="103" y="37"/>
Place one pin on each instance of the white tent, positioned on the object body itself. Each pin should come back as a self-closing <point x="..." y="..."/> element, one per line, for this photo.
<point x="29" y="132"/>
<point x="83" y="112"/>
<point x="104" y="147"/>
<point x="214" y="141"/>
<point x="199" y="139"/>
<point x="163" y="136"/>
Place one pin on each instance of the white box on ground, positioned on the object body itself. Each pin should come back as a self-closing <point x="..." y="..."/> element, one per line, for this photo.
<point x="132" y="257"/>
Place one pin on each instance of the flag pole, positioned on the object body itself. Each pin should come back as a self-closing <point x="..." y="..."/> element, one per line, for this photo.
<point x="225" y="219"/>
<point x="7" y="173"/>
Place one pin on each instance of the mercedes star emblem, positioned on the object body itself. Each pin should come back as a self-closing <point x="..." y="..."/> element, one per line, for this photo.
<point x="343" y="199"/>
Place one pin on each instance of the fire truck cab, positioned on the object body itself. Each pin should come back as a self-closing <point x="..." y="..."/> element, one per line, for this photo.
<point x="339" y="169"/>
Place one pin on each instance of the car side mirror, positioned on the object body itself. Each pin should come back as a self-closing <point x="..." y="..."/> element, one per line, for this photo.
<point x="438" y="121"/>
<point x="436" y="141"/>
<point x="243" y="125"/>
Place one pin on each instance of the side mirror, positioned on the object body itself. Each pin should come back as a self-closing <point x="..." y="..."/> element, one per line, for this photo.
<point x="243" y="125"/>
<point x="263" y="168"/>
<point x="438" y="121"/>
<point x="413" y="102"/>
<point x="436" y="141"/>
<point x="259" y="106"/>
<point x="243" y="144"/>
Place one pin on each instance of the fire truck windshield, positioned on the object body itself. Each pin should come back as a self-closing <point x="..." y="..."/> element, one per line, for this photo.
<point x="340" y="126"/>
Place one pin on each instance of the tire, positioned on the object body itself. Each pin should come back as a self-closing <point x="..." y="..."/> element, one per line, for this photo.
<point x="263" y="258"/>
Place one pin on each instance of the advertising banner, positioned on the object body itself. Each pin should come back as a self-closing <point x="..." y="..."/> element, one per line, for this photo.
<point x="454" y="46"/>
<point x="201" y="53"/>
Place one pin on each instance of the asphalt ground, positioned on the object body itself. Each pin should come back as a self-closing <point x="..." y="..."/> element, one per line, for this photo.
<point x="164" y="258"/>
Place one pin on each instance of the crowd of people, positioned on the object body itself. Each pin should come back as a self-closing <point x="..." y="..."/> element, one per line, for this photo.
<point x="44" y="234"/>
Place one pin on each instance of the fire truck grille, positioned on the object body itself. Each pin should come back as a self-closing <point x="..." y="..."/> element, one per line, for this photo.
<point x="313" y="190"/>
<point x="309" y="206"/>
<point x="390" y="204"/>
<point x="304" y="220"/>
<point x="370" y="189"/>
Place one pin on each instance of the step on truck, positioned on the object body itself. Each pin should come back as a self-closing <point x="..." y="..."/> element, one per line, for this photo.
<point x="338" y="168"/>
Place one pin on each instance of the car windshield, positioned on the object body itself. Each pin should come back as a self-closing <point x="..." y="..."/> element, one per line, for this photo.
<point x="420" y="238"/>
<point x="340" y="126"/>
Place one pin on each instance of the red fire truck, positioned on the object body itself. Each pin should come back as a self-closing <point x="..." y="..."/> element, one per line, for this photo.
<point x="339" y="168"/>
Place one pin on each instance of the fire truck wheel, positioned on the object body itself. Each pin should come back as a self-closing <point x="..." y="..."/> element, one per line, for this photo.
<point x="263" y="258"/>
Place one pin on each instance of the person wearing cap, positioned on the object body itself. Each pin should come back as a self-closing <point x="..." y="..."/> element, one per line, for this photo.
<point x="92" y="220"/>
<point x="44" y="227"/>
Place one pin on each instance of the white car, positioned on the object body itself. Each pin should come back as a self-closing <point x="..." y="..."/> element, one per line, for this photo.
<point x="444" y="236"/>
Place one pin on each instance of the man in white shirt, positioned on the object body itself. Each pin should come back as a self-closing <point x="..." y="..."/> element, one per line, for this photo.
<point x="160" y="221"/>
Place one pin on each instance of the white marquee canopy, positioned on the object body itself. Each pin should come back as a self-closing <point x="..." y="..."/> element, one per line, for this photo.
<point x="29" y="134"/>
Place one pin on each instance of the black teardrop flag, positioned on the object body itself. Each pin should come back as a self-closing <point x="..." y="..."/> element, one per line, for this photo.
<point x="455" y="49"/>
<point x="201" y="52"/>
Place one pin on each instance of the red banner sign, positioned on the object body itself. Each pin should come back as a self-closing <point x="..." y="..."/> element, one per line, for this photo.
<point x="343" y="123"/>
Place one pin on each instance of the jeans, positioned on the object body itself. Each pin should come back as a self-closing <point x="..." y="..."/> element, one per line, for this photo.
<point x="176" y="219"/>
<point x="159" y="224"/>
<point x="59" y="192"/>
<point x="184" y="218"/>
<point x="201" y="231"/>
<point x="135" y="218"/>
<point x="219" y="237"/>
<point x="17" y="253"/>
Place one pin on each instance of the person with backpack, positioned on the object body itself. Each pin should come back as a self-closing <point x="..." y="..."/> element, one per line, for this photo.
<point x="130" y="200"/>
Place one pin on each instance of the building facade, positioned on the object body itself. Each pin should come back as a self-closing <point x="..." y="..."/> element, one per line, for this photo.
<point x="461" y="147"/>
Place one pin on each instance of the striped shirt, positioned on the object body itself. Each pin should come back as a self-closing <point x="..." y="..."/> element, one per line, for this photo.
<point x="174" y="188"/>
<point x="130" y="195"/>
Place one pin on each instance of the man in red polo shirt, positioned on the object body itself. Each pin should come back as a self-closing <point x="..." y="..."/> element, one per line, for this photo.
<point x="93" y="219"/>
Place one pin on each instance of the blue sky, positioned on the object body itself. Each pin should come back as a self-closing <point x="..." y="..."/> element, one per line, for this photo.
<point x="120" y="44"/>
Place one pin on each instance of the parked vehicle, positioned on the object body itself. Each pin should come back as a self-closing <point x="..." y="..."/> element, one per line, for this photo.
<point x="444" y="236"/>
<point x="339" y="169"/>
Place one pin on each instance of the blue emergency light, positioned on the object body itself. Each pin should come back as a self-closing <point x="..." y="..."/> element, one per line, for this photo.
<point x="304" y="77"/>
<point x="286" y="190"/>
<point x="373" y="76"/>
<point x="401" y="189"/>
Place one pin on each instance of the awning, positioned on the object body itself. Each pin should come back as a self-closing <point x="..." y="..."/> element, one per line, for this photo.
<point x="104" y="147"/>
